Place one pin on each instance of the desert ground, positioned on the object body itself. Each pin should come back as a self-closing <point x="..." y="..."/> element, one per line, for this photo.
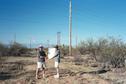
<point x="21" y="70"/>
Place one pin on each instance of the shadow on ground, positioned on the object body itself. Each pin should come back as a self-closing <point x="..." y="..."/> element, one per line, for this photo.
<point x="94" y="72"/>
<point x="5" y="76"/>
<point x="63" y="72"/>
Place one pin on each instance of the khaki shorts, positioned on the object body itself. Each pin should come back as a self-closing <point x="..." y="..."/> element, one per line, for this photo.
<point x="41" y="65"/>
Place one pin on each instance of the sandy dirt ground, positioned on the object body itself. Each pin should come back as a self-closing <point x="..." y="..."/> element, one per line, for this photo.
<point x="21" y="70"/>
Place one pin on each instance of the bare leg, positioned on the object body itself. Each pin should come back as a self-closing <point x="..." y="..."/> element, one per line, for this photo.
<point x="37" y="72"/>
<point x="43" y="73"/>
<point x="57" y="70"/>
<point x="57" y="73"/>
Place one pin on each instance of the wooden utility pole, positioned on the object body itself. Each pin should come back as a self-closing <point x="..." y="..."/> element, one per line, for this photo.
<point x="70" y="27"/>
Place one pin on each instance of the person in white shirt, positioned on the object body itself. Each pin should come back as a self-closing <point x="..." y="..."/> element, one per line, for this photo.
<point x="57" y="61"/>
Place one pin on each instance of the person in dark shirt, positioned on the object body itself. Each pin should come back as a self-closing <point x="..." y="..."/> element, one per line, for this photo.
<point x="41" y="65"/>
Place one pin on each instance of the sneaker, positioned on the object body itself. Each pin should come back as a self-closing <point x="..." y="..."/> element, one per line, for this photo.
<point x="37" y="77"/>
<point x="56" y="76"/>
<point x="43" y="75"/>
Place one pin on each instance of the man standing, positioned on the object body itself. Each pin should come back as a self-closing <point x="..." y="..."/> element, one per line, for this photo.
<point x="57" y="61"/>
<point x="41" y="65"/>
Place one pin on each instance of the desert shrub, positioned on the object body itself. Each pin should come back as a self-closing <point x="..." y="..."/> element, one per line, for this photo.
<point x="104" y="50"/>
<point x="88" y="47"/>
<point x="3" y="49"/>
<point x="16" y="49"/>
<point x="82" y="47"/>
<point x="64" y="50"/>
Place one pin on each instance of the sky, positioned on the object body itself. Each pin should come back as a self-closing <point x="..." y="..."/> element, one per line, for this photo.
<point x="40" y="20"/>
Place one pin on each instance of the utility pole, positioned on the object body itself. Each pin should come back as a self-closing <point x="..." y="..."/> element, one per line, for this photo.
<point x="58" y="38"/>
<point x="70" y="27"/>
